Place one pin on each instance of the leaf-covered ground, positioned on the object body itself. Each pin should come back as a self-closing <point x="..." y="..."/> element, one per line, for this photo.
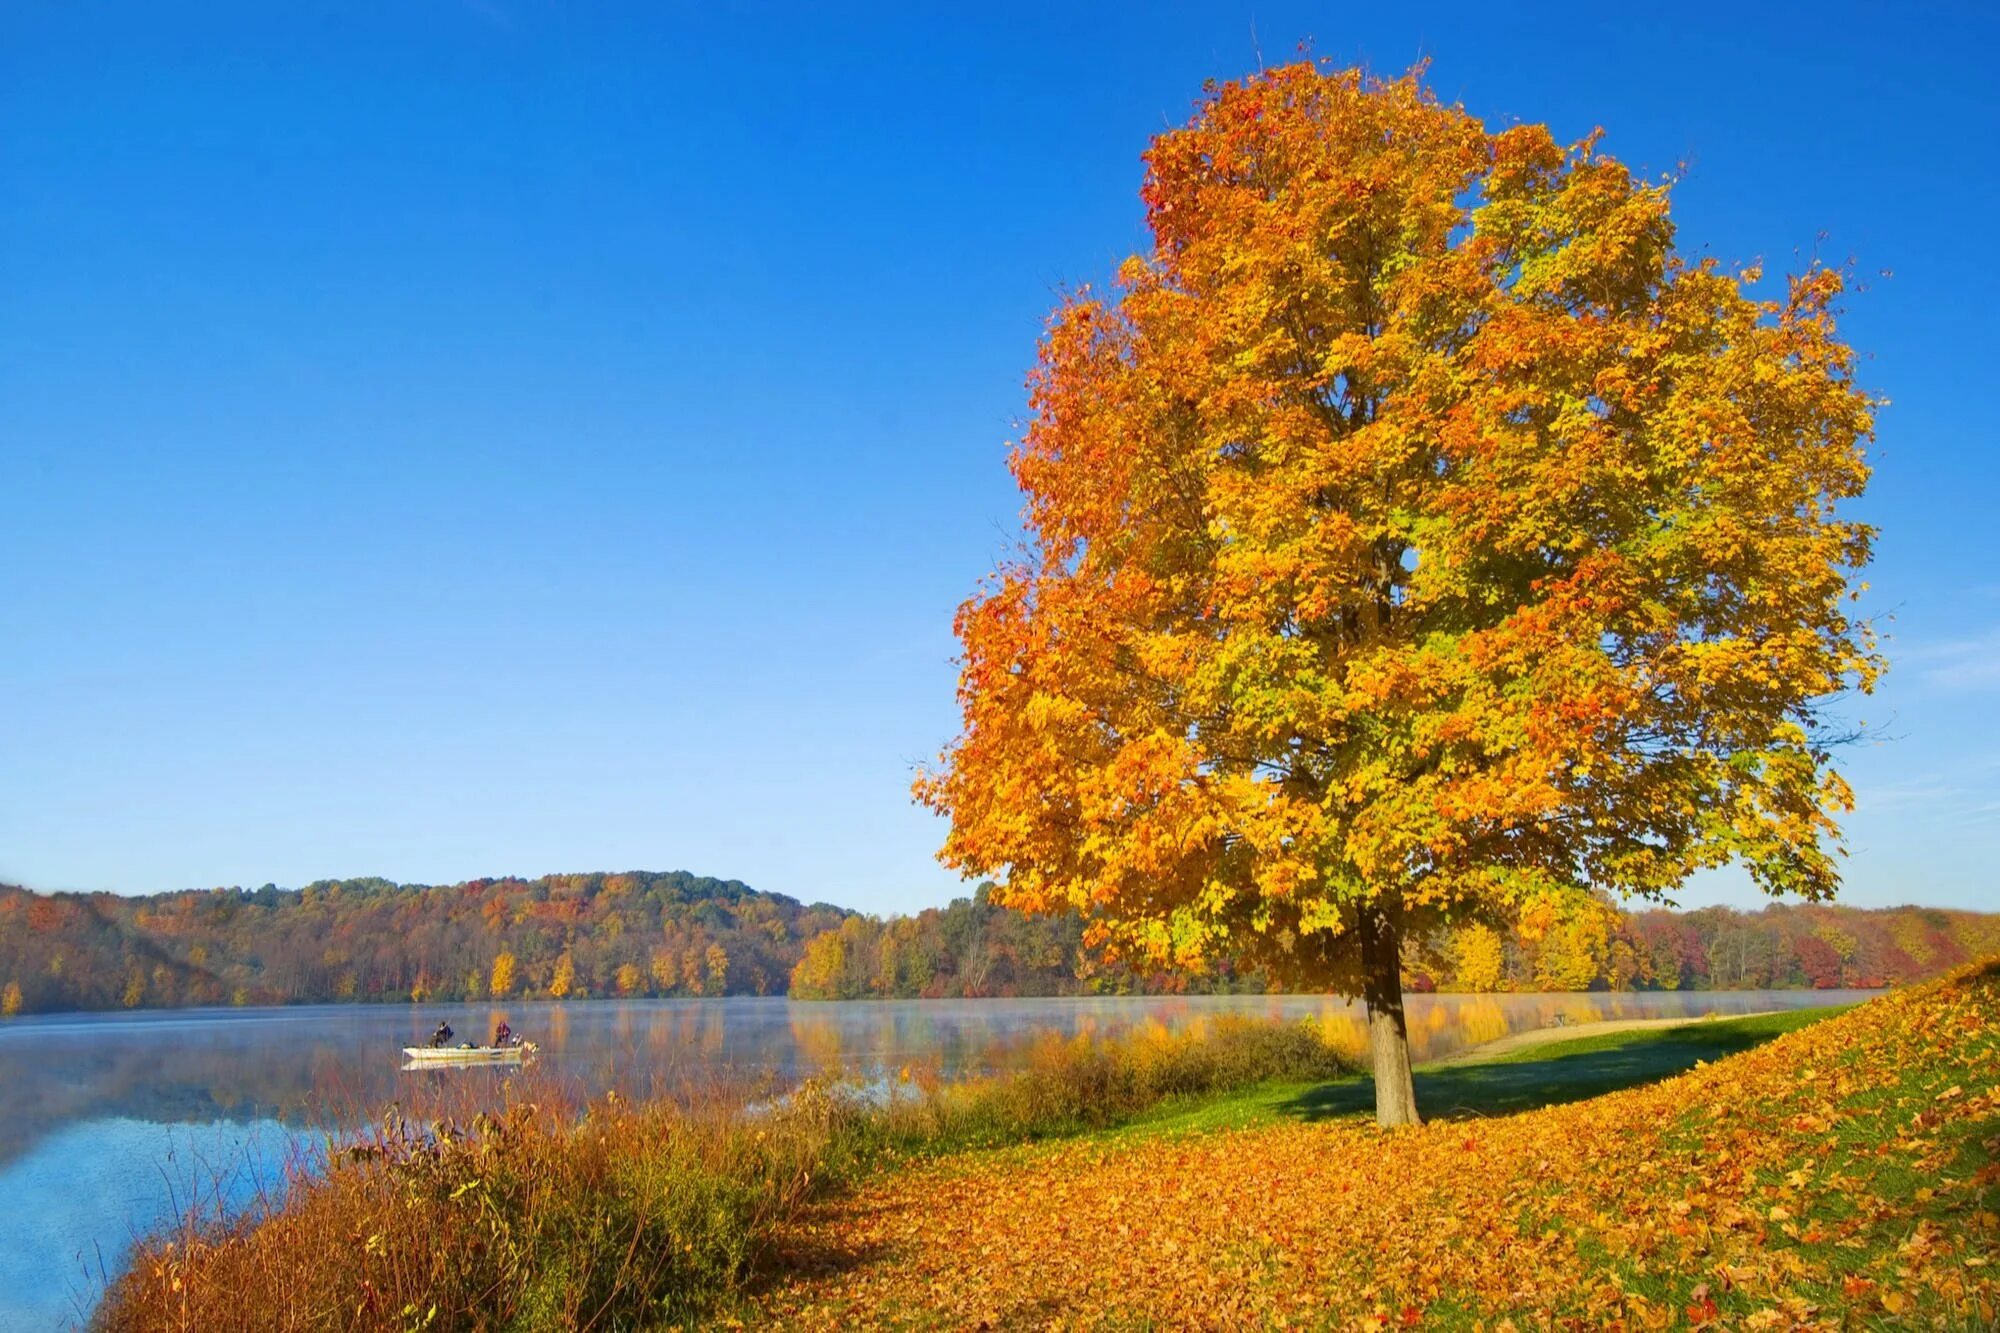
<point x="1842" y="1176"/>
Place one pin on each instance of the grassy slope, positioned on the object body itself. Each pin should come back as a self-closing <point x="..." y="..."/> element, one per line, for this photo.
<point x="1543" y="1075"/>
<point x="1841" y="1176"/>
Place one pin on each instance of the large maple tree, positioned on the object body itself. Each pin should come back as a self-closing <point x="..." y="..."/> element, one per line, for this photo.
<point x="1414" y="536"/>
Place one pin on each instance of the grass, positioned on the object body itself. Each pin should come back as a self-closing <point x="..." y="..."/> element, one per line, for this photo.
<point x="1703" y="1038"/>
<point x="1563" y="1071"/>
<point x="1519" y="1080"/>
<point x="613" y="1215"/>
<point x="542" y="1216"/>
<point x="1081" y="1085"/>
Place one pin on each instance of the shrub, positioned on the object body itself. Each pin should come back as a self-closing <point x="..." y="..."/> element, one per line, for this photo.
<point x="538" y="1217"/>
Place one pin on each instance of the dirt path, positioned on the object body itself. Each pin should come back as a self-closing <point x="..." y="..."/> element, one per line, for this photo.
<point x="1515" y="1041"/>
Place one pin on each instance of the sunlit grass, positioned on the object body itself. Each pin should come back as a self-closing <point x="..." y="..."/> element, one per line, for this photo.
<point x="1707" y="1038"/>
<point x="1520" y="1079"/>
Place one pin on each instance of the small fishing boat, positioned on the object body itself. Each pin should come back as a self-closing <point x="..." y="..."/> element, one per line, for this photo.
<point x="422" y="1057"/>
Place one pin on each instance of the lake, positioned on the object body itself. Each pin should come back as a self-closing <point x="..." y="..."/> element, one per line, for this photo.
<point x="111" y="1124"/>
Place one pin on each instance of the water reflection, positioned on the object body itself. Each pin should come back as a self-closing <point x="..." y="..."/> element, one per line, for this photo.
<point x="87" y="1160"/>
<point x="80" y="1198"/>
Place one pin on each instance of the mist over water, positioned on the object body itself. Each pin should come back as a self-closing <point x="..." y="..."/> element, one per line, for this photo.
<point x="112" y="1125"/>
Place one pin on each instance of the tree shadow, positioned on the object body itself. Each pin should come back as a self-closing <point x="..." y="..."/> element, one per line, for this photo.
<point x="1504" y="1087"/>
<point x="809" y="1251"/>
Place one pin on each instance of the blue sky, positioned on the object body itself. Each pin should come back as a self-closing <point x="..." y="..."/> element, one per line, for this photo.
<point x="452" y="439"/>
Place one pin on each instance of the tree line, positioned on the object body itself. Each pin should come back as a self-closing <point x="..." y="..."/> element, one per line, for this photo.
<point x="1818" y="945"/>
<point x="975" y="947"/>
<point x="556" y="936"/>
<point x="677" y="934"/>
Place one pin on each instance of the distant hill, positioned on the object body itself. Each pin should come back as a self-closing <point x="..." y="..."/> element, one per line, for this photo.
<point x="637" y="933"/>
<point x="649" y="934"/>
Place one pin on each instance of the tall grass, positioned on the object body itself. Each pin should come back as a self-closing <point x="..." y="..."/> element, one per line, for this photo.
<point x="615" y="1214"/>
<point x="1066" y="1085"/>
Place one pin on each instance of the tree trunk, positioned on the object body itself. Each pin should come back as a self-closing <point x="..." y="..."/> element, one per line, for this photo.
<point x="1388" y="1032"/>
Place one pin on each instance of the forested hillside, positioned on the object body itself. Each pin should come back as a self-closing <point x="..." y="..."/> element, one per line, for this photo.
<point x="576" y="936"/>
<point x="369" y="939"/>
<point x="976" y="948"/>
<point x="1821" y="945"/>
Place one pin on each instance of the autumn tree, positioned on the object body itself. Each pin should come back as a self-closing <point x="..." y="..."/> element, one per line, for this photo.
<point x="503" y="975"/>
<point x="1623" y="966"/>
<point x="821" y="972"/>
<point x="1572" y="955"/>
<point x="1480" y="958"/>
<point x="1413" y="537"/>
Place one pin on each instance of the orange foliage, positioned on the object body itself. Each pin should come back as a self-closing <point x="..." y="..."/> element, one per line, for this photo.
<point x="1413" y="536"/>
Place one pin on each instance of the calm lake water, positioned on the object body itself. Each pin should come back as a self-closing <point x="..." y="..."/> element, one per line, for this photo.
<point x="112" y="1124"/>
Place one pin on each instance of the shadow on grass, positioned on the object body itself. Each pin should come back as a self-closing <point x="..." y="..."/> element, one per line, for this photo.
<point x="1562" y="1072"/>
<point x="799" y="1252"/>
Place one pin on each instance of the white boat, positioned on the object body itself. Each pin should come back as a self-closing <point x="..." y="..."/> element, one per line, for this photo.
<point x="418" y="1057"/>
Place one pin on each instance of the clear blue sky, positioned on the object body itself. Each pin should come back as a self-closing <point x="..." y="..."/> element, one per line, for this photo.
<point x="450" y="439"/>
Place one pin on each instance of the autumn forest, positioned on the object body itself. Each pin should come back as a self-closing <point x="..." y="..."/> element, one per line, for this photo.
<point x="644" y="934"/>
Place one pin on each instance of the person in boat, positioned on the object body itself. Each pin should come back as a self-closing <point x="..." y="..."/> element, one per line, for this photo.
<point x="442" y="1035"/>
<point x="503" y="1035"/>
